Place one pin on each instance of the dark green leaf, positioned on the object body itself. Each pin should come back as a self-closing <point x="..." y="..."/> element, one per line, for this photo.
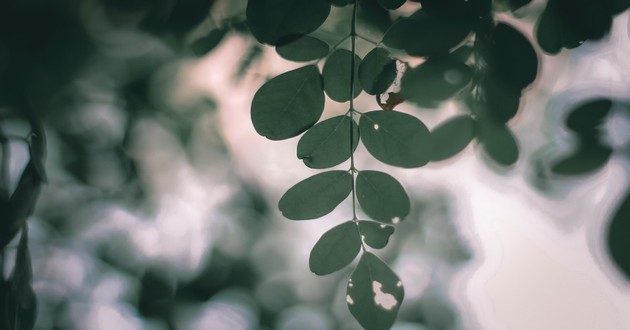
<point x="434" y="81"/>
<point x="498" y="142"/>
<point x="288" y="104"/>
<point x="304" y="48"/>
<point x="451" y="137"/>
<point x="382" y="197"/>
<point x="328" y="143"/>
<point x="586" y="159"/>
<point x="391" y="4"/>
<point x="336" y="74"/>
<point x="395" y="138"/>
<point x="377" y="71"/>
<point x="316" y="196"/>
<point x="374" y="293"/>
<point x="37" y="148"/>
<point x="335" y="249"/>
<point x="619" y="237"/>
<point x="20" y="205"/>
<point x="22" y="303"/>
<point x="498" y="102"/>
<point x="375" y="234"/>
<point x="207" y="43"/>
<point x="425" y="34"/>
<point x="589" y="115"/>
<point x="462" y="53"/>
<point x="271" y="20"/>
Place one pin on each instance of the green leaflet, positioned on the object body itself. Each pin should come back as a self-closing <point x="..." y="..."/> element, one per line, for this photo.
<point x="451" y="137"/>
<point x="316" y="196"/>
<point x="374" y="293"/>
<point x="303" y="49"/>
<point x="395" y="138"/>
<point x="288" y="104"/>
<point x="377" y="71"/>
<point x="498" y="142"/>
<point x="272" y="20"/>
<point x="335" y="249"/>
<point x="328" y="143"/>
<point x="336" y="74"/>
<point x="382" y="197"/>
<point x="375" y="234"/>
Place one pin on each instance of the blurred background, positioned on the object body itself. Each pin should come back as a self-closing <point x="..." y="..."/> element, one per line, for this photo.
<point x="160" y="210"/>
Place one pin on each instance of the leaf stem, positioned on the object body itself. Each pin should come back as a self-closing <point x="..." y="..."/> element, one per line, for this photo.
<point x="353" y="37"/>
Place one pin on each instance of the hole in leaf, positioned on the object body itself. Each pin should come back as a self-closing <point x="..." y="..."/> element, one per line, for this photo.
<point x="395" y="220"/>
<point x="383" y="226"/>
<point x="399" y="284"/>
<point x="376" y="127"/>
<point x="385" y="300"/>
<point x="349" y="300"/>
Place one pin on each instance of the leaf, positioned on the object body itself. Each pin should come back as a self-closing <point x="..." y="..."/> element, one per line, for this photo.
<point x="335" y="249"/>
<point x="434" y="81"/>
<point x="374" y="293"/>
<point x="288" y="104"/>
<point x="382" y="197"/>
<point x="377" y="71"/>
<point x="498" y="102"/>
<point x="618" y="241"/>
<point x="589" y="115"/>
<point x="207" y="43"/>
<point x="303" y="49"/>
<point x="375" y="234"/>
<point x="22" y="303"/>
<point x="336" y="74"/>
<point x="451" y="137"/>
<point x="498" y="142"/>
<point x="328" y="143"/>
<point x="391" y="4"/>
<point x="586" y="159"/>
<point x="511" y="57"/>
<point x="395" y="138"/>
<point x="271" y="20"/>
<point x="425" y="34"/>
<point x="316" y="196"/>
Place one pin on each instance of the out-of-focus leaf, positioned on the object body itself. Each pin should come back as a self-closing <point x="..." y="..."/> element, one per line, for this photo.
<point x="374" y="293"/>
<point x="375" y="234"/>
<point x="16" y="210"/>
<point x="498" y="142"/>
<point x="498" y="101"/>
<point x="586" y="159"/>
<point x="328" y="143"/>
<point x="22" y="303"/>
<point x="391" y="4"/>
<point x="271" y="20"/>
<point x="462" y="53"/>
<point x="205" y="44"/>
<point x="372" y="14"/>
<point x="335" y="249"/>
<point x="288" y="104"/>
<point x="618" y="240"/>
<point x="382" y="197"/>
<point x="451" y="137"/>
<point x="303" y="49"/>
<point x="377" y="71"/>
<point x="589" y="115"/>
<point x="395" y="138"/>
<point x="336" y="74"/>
<point x="434" y="81"/>
<point x="316" y="196"/>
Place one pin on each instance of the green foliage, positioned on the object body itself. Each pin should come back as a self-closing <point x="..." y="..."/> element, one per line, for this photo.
<point x="303" y="49"/>
<point x="498" y="142"/>
<point x="335" y="249"/>
<point x="377" y="72"/>
<point x="382" y="197"/>
<point x="328" y="143"/>
<point x="375" y="234"/>
<point x="336" y="74"/>
<point x="451" y="137"/>
<point x="316" y="196"/>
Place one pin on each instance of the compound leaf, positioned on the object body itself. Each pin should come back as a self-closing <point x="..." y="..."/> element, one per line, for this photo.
<point x="328" y="143"/>
<point x="374" y="293"/>
<point x="336" y="74"/>
<point x="375" y="234"/>
<point x="382" y="197"/>
<point x="335" y="249"/>
<point x="316" y="196"/>
<point x="395" y="138"/>
<point x="451" y="137"/>
<point x="272" y="20"/>
<point x="377" y="71"/>
<point x="303" y="49"/>
<point x="288" y="104"/>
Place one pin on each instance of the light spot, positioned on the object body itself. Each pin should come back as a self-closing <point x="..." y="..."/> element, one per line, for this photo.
<point x="453" y="77"/>
<point x="385" y="300"/>
<point x="399" y="284"/>
<point x="395" y="220"/>
<point x="363" y="237"/>
<point x="349" y="300"/>
<point x="350" y="285"/>
<point x="383" y="226"/>
<point x="376" y="127"/>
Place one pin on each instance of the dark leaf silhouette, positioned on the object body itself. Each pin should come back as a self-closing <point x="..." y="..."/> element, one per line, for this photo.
<point x="316" y="196"/>
<point x="336" y="74"/>
<point x="451" y="137"/>
<point x="497" y="101"/>
<point x="205" y="44"/>
<point x="587" y="158"/>
<point x="382" y="197"/>
<point x="335" y="249"/>
<point x="589" y="115"/>
<point x="617" y="239"/>
<point x="375" y="234"/>
<point x="328" y="143"/>
<point x="374" y="293"/>
<point x="288" y="104"/>
<point x="303" y="49"/>
<point x="377" y="71"/>
<point x="498" y="142"/>
<point x="272" y="20"/>
<point x="22" y="303"/>
<point x="395" y="138"/>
